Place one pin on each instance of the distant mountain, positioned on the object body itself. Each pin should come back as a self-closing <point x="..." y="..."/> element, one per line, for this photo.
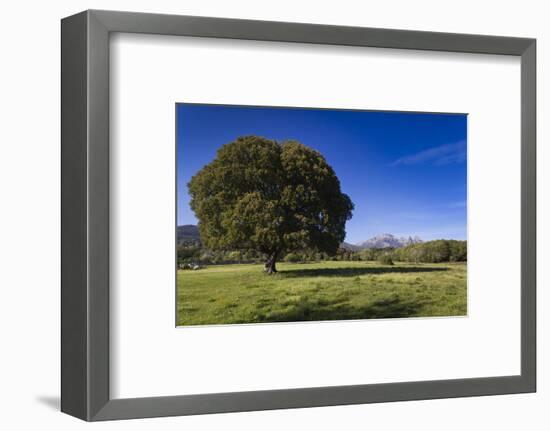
<point x="388" y="240"/>
<point x="188" y="233"/>
<point x="351" y="247"/>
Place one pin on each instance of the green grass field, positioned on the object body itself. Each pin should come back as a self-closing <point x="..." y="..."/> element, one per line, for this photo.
<point x="335" y="290"/>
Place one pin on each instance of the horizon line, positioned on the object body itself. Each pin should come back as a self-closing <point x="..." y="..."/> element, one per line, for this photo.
<point x="357" y="243"/>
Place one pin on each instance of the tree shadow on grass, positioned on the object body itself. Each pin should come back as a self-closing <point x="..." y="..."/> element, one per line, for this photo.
<point x="386" y="308"/>
<point x="354" y="271"/>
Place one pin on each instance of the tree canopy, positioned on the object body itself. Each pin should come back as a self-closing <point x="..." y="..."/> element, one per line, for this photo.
<point x="272" y="197"/>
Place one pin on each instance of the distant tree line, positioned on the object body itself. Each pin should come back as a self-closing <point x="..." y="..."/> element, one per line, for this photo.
<point x="433" y="252"/>
<point x="193" y="252"/>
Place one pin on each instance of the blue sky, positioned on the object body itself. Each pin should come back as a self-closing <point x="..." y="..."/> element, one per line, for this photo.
<point x="405" y="172"/>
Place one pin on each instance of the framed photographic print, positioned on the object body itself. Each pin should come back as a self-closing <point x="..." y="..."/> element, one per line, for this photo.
<point x="263" y="215"/>
<point x="254" y="206"/>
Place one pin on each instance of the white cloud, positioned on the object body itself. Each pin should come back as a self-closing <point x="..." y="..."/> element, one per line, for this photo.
<point x="441" y="155"/>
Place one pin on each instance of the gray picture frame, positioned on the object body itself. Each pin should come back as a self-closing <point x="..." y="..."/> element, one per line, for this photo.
<point x="85" y="215"/>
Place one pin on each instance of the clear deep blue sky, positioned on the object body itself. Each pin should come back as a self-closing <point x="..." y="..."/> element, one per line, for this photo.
<point x="405" y="172"/>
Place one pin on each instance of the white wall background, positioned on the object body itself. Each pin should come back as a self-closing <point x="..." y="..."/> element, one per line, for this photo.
<point x="29" y="214"/>
<point x="164" y="69"/>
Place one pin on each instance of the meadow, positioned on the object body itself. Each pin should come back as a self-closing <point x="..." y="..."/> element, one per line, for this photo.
<point x="328" y="290"/>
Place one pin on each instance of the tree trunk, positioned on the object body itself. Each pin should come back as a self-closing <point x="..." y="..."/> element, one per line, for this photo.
<point x="270" y="266"/>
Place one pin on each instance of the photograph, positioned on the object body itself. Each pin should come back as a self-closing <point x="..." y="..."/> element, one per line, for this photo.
<point x="294" y="214"/>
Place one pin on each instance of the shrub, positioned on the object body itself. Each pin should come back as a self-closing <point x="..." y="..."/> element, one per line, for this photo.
<point x="234" y="256"/>
<point x="385" y="259"/>
<point x="293" y="257"/>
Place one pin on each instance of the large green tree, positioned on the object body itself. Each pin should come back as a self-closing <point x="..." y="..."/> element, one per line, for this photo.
<point x="269" y="196"/>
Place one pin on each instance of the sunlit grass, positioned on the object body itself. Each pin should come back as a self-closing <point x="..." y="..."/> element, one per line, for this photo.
<point x="320" y="291"/>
